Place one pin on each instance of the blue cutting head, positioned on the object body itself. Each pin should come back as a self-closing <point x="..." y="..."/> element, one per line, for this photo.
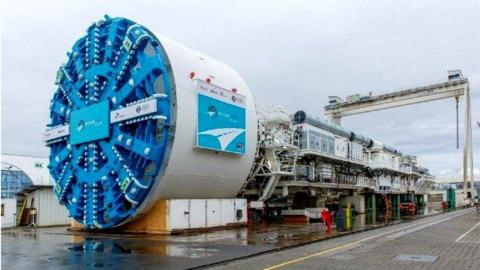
<point x="111" y="123"/>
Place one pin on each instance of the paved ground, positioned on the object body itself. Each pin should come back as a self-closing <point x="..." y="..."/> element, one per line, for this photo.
<point x="57" y="248"/>
<point x="451" y="241"/>
<point x="48" y="248"/>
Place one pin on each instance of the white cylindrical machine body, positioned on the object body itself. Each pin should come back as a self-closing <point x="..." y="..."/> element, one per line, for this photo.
<point x="192" y="172"/>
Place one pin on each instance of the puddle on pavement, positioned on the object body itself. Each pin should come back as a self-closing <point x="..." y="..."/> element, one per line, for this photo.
<point x="109" y="246"/>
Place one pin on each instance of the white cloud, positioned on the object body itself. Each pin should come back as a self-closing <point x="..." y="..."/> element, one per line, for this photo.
<point x="293" y="55"/>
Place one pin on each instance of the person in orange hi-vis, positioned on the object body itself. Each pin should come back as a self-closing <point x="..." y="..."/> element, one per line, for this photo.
<point x="327" y="220"/>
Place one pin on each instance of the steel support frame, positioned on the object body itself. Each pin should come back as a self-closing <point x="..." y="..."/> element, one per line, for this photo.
<point x="449" y="89"/>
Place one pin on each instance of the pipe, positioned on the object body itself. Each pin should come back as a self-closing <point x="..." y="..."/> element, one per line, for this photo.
<point x="300" y="117"/>
<point x="365" y="141"/>
<point x="391" y="149"/>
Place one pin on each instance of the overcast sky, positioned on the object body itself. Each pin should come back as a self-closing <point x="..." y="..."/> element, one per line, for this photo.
<point x="292" y="55"/>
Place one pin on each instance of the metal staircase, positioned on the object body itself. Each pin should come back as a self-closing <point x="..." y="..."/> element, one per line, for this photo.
<point x="275" y="162"/>
<point x="419" y="184"/>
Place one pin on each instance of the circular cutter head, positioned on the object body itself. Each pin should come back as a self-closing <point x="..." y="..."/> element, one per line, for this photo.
<point x="111" y="123"/>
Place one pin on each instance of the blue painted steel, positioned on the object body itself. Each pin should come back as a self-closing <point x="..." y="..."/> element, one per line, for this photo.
<point x="104" y="176"/>
<point x="90" y="123"/>
<point x="221" y="126"/>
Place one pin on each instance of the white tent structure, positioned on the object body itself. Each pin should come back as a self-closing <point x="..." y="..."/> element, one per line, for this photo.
<point x="27" y="193"/>
<point x="34" y="167"/>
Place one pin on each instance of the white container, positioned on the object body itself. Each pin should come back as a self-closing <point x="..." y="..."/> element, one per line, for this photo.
<point x="49" y="211"/>
<point x="396" y="162"/>
<point x="205" y="213"/>
<point x="355" y="151"/>
<point x="385" y="181"/>
<point x="341" y="147"/>
<point x="397" y="183"/>
<point x="9" y="211"/>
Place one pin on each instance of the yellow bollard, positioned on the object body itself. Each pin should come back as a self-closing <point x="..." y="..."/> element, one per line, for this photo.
<point x="348" y="217"/>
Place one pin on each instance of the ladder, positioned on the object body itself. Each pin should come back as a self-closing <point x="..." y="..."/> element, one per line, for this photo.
<point x="23" y="204"/>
